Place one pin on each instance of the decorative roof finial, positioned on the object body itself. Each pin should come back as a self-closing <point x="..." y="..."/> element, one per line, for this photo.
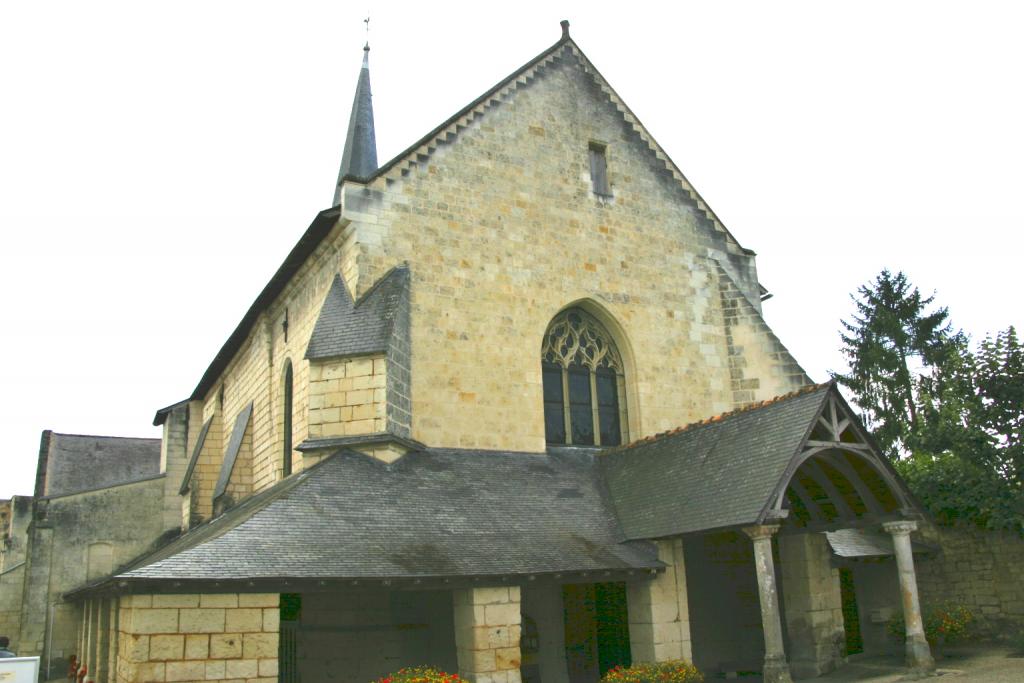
<point x="565" y="29"/>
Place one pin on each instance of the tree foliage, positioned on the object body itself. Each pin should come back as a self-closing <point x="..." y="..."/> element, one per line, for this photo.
<point x="890" y="341"/>
<point x="951" y="418"/>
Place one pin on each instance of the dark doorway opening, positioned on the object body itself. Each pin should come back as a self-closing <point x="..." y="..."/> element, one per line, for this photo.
<point x="851" y="615"/>
<point x="596" y="629"/>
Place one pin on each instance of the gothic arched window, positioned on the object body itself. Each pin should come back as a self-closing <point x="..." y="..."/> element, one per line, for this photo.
<point x="286" y="411"/>
<point x="584" y="387"/>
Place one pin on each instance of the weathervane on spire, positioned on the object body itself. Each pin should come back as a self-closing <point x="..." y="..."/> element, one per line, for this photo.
<point x="367" y="22"/>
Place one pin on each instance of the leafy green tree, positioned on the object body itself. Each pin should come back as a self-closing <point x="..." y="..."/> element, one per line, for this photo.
<point x="891" y="342"/>
<point x="957" y="491"/>
<point x="1000" y="392"/>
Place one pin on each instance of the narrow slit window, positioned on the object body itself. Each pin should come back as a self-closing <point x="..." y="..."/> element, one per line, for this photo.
<point x="599" y="169"/>
<point x="286" y="451"/>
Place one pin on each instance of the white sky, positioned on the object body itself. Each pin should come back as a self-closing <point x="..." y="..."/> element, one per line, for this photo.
<point x="159" y="159"/>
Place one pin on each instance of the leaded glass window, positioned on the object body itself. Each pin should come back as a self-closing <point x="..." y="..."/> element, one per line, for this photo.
<point x="584" y="399"/>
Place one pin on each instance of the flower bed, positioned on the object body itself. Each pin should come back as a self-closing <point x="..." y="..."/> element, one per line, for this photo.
<point x="674" y="671"/>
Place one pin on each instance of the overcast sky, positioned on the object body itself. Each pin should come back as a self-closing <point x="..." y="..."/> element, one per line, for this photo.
<point x="159" y="159"/>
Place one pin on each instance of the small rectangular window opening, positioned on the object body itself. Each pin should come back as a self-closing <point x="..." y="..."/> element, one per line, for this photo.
<point x="599" y="169"/>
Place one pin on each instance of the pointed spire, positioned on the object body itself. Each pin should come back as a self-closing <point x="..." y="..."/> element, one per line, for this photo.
<point x="360" y="156"/>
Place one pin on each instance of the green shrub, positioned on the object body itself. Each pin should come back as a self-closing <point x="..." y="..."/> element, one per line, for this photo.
<point x="675" y="671"/>
<point x="944" y="624"/>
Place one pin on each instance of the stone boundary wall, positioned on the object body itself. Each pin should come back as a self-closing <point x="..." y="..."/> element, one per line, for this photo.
<point x="982" y="570"/>
<point x="189" y="637"/>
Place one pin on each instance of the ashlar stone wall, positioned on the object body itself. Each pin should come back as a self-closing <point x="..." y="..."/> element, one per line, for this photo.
<point x="659" y="614"/>
<point x="347" y="397"/>
<point x="501" y="230"/>
<point x="191" y="637"/>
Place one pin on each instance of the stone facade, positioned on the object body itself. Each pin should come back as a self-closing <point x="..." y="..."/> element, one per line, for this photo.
<point x="659" y="611"/>
<point x="191" y="637"/>
<point x="487" y="630"/>
<point x="499" y="224"/>
<point x="347" y="397"/>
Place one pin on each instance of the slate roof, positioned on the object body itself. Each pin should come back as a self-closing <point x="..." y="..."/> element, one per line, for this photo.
<point x="347" y="328"/>
<point x="234" y="446"/>
<point x="854" y="543"/>
<point x="360" y="155"/>
<point x="714" y="474"/>
<point x="433" y="513"/>
<point x="76" y="463"/>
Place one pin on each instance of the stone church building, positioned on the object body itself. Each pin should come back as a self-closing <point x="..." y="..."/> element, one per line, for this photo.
<point x="509" y="407"/>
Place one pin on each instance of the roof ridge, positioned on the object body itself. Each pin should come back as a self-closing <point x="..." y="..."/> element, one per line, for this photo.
<point x="714" y="419"/>
<point x="102" y="436"/>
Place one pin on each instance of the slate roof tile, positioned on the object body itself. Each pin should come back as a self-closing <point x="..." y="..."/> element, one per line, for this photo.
<point x="433" y="513"/>
<point x="712" y="474"/>
<point x="347" y="328"/>
<point x="77" y="463"/>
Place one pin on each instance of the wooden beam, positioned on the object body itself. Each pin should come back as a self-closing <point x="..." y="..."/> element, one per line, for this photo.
<point x="870" y="501"/>
<point x="837" y="444"/>
<point x="819" y="475"/>
<point x="809" y="502"/>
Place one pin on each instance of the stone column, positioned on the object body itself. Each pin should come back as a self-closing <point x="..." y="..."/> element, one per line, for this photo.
<point x="813" y="604"/>
<point x="659" y="612"/>
<point x="776" y="668"/>
<point x="919" y="655"/>
<point x="487" y="630"/>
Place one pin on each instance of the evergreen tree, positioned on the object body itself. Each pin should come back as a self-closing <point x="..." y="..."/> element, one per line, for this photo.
<point x="890" y="344"/>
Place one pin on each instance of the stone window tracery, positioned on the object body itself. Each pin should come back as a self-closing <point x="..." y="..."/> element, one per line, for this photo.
<point x="584" y="385"/>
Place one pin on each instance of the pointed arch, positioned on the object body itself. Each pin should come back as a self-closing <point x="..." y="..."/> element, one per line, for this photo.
<point x="584" y="376"/>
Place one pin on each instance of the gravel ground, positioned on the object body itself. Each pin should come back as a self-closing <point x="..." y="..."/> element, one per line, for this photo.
<point x="974" y="664"/>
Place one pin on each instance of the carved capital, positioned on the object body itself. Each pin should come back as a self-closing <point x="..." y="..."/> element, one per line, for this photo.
<point x="901" y="527"/>
<point x="761" y="531"/>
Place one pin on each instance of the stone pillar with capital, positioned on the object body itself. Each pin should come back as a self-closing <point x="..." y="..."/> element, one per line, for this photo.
<point x="919" y="655"/>
<point x="776" y="668"/>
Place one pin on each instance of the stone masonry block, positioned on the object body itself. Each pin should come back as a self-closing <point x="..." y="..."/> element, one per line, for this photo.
<point x="136" y="601"/>
<point x="244" y="620"/>
<point x="489" y="596"/>
<point x="497" y="615"/>
<point x="271" y="619"/>
<point x="186" y="671"/>
<point x="215" y="669"/>
<point x="197" y="646"/>
<point x="133" y="647"/>
<point x="202" y="620"/>
<point x="478" y="661"/>
<point x="166" y="647"/>
<point x="259" y="645"/>
<point x="150" y="672"/>
<point x="154" y="621"/>
<point x="268" y="667"/>
<point x="507" y="658"/>
<point x="242" y="668"/>
<point x="225" y="645"/>
<point x="176" y="600"/>
<point x="259" y="600"/>
<point x="218" y="600"/>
